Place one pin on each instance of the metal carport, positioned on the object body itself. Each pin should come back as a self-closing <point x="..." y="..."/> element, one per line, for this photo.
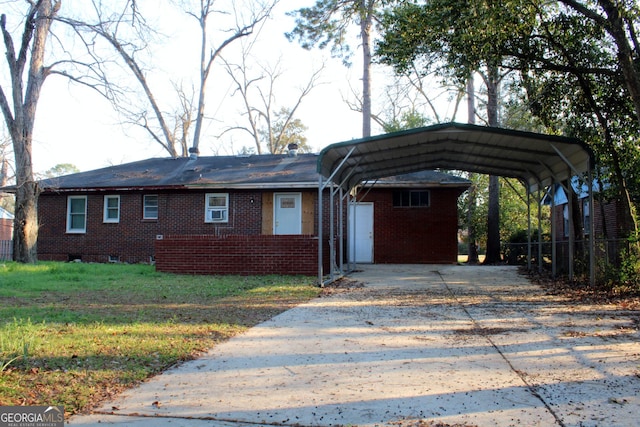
<point x="536" y="160"/>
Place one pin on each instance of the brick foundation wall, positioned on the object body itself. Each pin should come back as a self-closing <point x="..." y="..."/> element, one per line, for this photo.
<point x="245" y="255"/>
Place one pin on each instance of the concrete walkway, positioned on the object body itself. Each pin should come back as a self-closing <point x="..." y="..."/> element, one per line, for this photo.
<point x="418" y="345"/>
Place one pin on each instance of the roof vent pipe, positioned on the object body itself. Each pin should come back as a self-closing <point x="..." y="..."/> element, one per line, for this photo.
<point x="293" y="150"/>
<point x="193" y="153"/>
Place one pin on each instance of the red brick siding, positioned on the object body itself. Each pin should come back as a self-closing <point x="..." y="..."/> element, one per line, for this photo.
<point x="418" y="235"/>
<point x="421" y="235"/>
<point x="133" y="239"/>
<point x="610" y="221"/>
<point x="6" y="229"/>
<point x="247" y="255"/>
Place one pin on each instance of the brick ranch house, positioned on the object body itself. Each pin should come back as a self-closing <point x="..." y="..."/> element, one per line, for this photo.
<point x="235" y="215"/>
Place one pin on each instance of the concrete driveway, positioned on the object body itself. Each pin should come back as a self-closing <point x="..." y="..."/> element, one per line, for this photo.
<point x="416" y="346"/>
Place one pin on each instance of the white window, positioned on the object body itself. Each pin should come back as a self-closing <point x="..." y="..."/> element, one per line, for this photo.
<point x="111" y="209"/>
<point x="150" y="207"/>
<point x="216" y="207"/>
<point x="77" y="214"/>
<point x="565" y="220"/>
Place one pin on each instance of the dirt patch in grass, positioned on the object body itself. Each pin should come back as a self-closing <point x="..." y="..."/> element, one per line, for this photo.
<point x="341" y="286"/>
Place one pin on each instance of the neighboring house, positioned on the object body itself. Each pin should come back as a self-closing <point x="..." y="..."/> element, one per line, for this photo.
<point x="606" y="223"/>
<point x="234" y="215"/>
<point x="6" y="224"/>
<point x="6" y="235"/>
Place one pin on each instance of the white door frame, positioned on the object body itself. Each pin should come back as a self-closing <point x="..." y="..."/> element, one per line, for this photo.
<point x="294" y="227"/>
<point x="361" y="233"/>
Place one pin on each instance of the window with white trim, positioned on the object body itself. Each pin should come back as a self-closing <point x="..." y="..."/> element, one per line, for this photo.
<point x="565" y="220"/>
<point x="216" y="207"/>
<point x="150" y="210"/>
<point x="111" y="209"/>
<point x="77" y="214"/>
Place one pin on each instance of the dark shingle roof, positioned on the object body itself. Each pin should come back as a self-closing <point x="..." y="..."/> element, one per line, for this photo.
<point x="429" y="178"/>
<point x="215" y="171"/>
<point x="256" y="171"/>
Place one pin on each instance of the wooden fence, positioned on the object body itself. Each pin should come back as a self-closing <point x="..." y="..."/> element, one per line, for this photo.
<point x="6" y="250"/>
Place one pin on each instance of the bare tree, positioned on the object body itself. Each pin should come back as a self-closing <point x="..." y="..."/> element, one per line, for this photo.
<point x="18" y="102"/>
<point x="129" y="41"/>
<point x="4" y="172"/>
<point x="269" y="124"/>
<point x="411" y="100"/>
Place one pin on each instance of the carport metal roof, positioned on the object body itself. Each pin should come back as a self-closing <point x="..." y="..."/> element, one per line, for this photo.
<point x="537" y="160"/>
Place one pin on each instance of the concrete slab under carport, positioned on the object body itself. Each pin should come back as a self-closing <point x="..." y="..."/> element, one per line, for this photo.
<point x="451" y="344"/>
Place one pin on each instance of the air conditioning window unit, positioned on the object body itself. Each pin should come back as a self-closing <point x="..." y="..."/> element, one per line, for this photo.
<point x="217" y="214"/>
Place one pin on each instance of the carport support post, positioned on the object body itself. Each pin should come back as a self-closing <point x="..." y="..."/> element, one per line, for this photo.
<point x="528" y="228"/>
<point x="341" y="230"/>
<point x="554" y="267"/>
<point x="320" y="273"/>
<point x="539" y="231"/>
<point x="572" y="235"/>
<point x="332" y="248"/>
<point x="592" y="231"/>
<point x="349" y="232"/>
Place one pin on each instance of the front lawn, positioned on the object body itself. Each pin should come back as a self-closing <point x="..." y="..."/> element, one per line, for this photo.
<point x="74" y="334"/>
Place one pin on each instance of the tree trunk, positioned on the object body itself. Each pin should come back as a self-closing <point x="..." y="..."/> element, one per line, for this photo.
<point x="365" y="33"/>
<point x="616" y="28"/>
<point x="493" y="215"/>
<point x="472" y="258"/>
<point x="25" y="222"/>
<point x="493" y="222"/>
<point x="20" y="120"/>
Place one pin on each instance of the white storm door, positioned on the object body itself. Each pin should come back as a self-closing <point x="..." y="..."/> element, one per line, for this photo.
<point x="287" y="215"/>
<point x="361" y="232"/>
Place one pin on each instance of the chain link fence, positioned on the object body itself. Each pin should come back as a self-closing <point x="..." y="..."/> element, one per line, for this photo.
<point x="6" y="250"/>
<point x="609" y="254"/>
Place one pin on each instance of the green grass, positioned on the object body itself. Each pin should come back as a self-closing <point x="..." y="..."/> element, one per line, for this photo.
<point x="74" y="334"/>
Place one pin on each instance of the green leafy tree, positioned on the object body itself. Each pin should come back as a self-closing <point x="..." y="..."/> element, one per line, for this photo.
<point x="284" y="131"/>
<point x="472" y="206"/>
<point x="448" y="32"/>
<point x="575" y="60"/>
<point x="408" y="120"/>
<point x="576" y="84"/>
<point x="61" y="169"/>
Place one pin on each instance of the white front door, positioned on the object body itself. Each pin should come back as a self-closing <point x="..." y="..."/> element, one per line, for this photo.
<point x="361" y="232"/>
<point x="287" y="215"/>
